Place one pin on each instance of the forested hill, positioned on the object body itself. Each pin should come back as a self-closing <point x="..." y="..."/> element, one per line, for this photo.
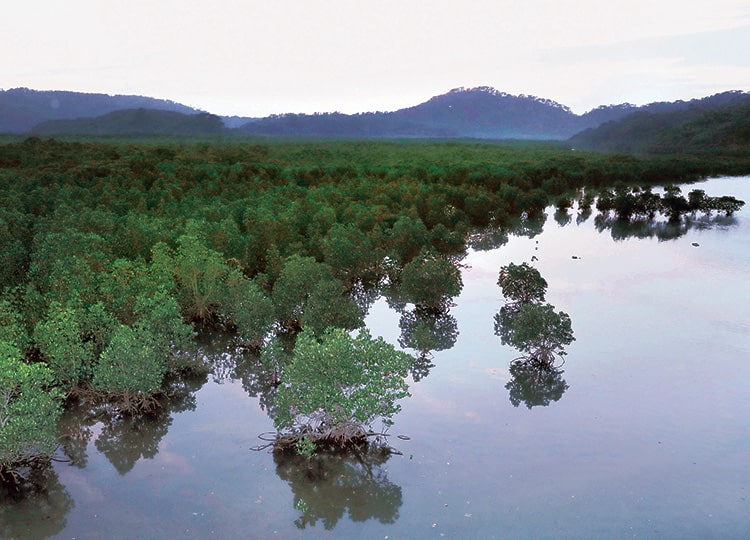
<point x="477" y="113"/>
<point x="482" y="113"/>
<point x="716" y="123"/>
<point x="21" y="108"/>
<point x="135" y="122"/>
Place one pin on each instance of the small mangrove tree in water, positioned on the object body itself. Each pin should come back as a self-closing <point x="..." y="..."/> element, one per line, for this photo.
<point x="532" y="326"/>
<point x="527" y="322"/>
<point x="335" y="388"/>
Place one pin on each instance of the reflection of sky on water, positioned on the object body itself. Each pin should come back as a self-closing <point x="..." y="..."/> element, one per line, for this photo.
<point x="650" y="433"/>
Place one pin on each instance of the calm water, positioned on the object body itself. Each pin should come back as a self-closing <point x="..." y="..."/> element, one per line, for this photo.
<point x="646" y="435"/>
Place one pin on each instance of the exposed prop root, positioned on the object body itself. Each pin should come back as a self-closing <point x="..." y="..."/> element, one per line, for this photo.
<point x="18" y="477"/>
<point x="544" y="361"/>
<point x="133" y="404"/>
<point x="120" y="403"/>
<point x="346" y="438"/>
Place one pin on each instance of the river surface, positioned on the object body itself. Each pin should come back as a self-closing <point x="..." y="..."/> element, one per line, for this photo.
<point x="645" y="434"/>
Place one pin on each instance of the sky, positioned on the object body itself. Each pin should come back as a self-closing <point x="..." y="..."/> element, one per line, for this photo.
<point x="261" y="57"/>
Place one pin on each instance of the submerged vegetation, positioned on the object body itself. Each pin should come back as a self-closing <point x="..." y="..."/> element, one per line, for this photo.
<point x="114" y="253"/>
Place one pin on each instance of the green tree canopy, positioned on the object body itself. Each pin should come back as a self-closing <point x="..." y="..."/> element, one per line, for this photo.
<point x="522" y="283"/>
<point x="29" y="410"/>
<point x="58" y="337"/>
<point x="133" y="363"/>
<point x="431" y="281"/>
<point x="540" y="332"/>
<point x="337" y="386"/>
<point x="248" y="308"/>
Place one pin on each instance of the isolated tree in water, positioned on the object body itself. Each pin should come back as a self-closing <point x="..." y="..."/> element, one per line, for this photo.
<point x="336" y="387"/>
<point x="528" y="323"/>
<point x="540" y="332"/>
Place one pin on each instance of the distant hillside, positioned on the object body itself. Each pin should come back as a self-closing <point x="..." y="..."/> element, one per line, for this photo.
<point x="21" y="109"/>
<point x="135" y="122"/>
<point x="486" y="113"/>
<point x="725" y="130"/>
<point x="699" y="125"/>
<point x="481" y="112"/>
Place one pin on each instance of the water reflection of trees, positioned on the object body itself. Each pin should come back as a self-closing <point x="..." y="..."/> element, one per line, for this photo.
<point x="125" y="439"/>
<point x="40" y="511"/>
<point x="327" y="486"/>
<point x="534" y="385"/>
<point x="643" y="228"/>
<point x="562" y="217"/>
<point x="497" y="236"/>
<point x="528" y="225"/>
<point x="259" y="375"/>
<point x="626" y="212"/>
<point x="428" y="284"/>
<point x="487" y="239"/>
<point x="258" y="372"/>
<point x="40" y="508"/>
<point x="364" y="293"/>
<point x="426" y="330"/>
<point x="635" y="226"/>
<point x="640" y="213"/>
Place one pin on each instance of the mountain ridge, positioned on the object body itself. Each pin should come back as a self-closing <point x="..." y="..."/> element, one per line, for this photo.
<point x="478" y="113"/>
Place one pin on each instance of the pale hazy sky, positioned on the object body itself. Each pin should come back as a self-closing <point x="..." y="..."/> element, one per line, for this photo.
<point x="254" y="58"/>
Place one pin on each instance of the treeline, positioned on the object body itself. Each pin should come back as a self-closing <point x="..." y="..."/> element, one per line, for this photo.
<point x="112" y="251"/>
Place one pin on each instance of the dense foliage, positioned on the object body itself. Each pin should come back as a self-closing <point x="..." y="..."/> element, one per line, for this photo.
<point x="337" y="385"/>
<point x="111" y="251"/>
<point x="521" y="284"/>
<point x="29" y="409"/>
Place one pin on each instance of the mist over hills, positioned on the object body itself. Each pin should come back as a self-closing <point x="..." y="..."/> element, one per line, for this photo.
<point x="473" y="113"/>
<point x="21" y="109"/>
